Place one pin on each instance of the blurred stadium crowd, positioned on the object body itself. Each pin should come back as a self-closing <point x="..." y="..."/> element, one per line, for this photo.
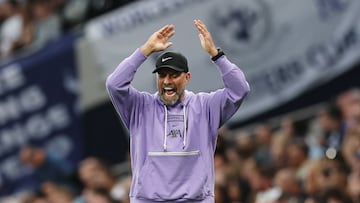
<point x="313" y="159"/>
<point x="32" y="23"/>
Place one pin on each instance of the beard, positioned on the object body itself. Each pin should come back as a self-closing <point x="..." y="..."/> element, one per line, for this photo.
<point x="170" y="100"/>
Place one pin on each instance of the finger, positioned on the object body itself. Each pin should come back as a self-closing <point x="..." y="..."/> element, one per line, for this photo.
<point x="198" y="23"/>
<point x="200" y="27"/>
<point x="167" y="29"/>
<point x="202" y="24"/>
<point x="172" y="33"/>
<point x="163" y="30"/>
<point x="169" y="33"/>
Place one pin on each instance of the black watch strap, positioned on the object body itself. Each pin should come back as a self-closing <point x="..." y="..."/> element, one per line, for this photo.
<point x="220" y="53"/>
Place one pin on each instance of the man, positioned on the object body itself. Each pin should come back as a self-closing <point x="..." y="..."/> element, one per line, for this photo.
<point x="173" y="132"/>
<point x="12" y="27"/>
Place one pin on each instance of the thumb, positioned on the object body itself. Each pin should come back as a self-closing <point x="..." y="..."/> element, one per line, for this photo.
<point x="168" y="44"/>
<point x="201" y="37"/>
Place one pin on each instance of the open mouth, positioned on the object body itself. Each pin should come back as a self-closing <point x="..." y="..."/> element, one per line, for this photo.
<point x="169" y="91"/>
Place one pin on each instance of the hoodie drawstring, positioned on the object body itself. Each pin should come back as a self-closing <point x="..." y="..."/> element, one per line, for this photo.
<point x="185" y="127"/>
<point x="165" y="128"/>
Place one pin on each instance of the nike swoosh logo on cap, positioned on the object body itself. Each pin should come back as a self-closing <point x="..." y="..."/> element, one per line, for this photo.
<point x="165" y="59"/>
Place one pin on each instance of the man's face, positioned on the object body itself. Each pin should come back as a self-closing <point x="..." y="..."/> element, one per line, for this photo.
<point x="171" y="85"/>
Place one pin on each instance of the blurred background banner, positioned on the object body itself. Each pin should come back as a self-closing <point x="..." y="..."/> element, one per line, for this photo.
<point x="38" y="106"/>
<point x="285" y="47"/>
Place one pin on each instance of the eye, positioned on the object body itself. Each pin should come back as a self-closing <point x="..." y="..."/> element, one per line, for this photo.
<point x="161" y="74"/>
<point x="175" y="75"/>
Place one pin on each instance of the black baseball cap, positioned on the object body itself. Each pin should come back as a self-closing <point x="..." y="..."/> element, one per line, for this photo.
<point x="173" y="60"/>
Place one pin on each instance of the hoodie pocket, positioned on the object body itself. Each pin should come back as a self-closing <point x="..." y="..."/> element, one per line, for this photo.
<point x="173" y="175"/>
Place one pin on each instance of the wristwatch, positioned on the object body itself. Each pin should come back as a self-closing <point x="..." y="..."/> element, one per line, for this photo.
<point x="217" y="56"/>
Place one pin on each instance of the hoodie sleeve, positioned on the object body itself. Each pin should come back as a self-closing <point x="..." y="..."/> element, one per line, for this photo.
<point x="223" y="103"/>
<point x="124" y="96"/>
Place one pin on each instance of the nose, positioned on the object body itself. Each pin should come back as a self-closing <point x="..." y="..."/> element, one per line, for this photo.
<point x="167" y="79"/>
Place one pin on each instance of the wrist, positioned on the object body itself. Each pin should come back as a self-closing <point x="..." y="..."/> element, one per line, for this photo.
<point x="213" y="52"/>
<point x="145" y="50"/>
<point x="218" y="55"/>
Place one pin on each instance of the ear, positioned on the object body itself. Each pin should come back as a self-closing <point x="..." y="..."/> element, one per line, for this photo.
<point x="187" y="77"/>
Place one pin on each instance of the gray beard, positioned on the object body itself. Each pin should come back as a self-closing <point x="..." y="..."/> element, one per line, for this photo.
<point x="170" y="102"/>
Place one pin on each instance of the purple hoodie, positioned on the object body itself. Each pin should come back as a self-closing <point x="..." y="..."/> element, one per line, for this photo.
<point x="172" y="147"/>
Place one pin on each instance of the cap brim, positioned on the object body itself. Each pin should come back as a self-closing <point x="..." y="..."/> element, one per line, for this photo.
<point x="168" y="66"/>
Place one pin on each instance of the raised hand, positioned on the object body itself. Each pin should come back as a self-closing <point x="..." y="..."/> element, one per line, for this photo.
<point x="205" y="38"/>
<point x="158" y="41"/>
